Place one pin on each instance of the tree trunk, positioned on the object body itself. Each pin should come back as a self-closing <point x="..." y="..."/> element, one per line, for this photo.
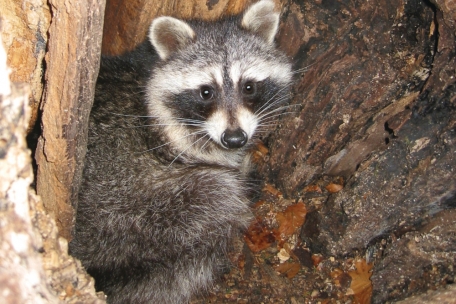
<point x="375" y="106"/>
<point x="34" y="262"/>
<point x="72" y="64"/>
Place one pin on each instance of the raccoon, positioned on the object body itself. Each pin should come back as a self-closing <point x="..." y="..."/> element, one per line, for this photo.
<point x="166" y="172"/>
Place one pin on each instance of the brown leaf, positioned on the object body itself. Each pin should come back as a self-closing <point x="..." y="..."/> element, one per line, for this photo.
<point x="258" y="236"/>
<point x="317" y="259"/>
<point x="262" y="148"/>
<point x="313" y="188"/>
<point x="361" y="284"/>
<point x="241" y="262"/>
<point x="340" y="278"/>
<point x="270" y="188"/>
<point x="304" y="257"/>
<point x="258" y="204"/>
<point x="260" y="153"/>
<point x="335" y="273"/>
<point x="289" y="269"/>
<point x="334" y="188"/>
<point x="290" y="220"/>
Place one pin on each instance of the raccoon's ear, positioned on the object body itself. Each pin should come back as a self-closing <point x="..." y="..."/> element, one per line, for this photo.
<point x="168" y="34"/>
<point x="262" y="20"/>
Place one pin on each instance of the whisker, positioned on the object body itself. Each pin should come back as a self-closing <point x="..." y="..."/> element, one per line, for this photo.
<point x="130" y="115"/>
<point x="262" y="131"/>
<point x="270" y="121"/>
<point x="270" y="110"/>
<point x="272" y="104"/>
<point x="189" y="120"/>
<point x="260" y="114"/>
<point x="204" y="145"/>
<point x="304" y="69"/>
<point x="151" y="116"/>
<point x="186" y="149"/>
<point x="265" y="115"/>
<point x="172" y="141"/>
<point x="284" y="107"/>
<point x="276" y="93"/>
<point x="273" y="118"/>
<point x="266" y="125"/>
<point x="265" y="119"/>
<point x="164" y="125"/>
<point x="268" y="103"/>
<point x="180" y="121"/>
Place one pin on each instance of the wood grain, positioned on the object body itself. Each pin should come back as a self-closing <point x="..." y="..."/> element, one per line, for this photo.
<point x="72" y="64"/>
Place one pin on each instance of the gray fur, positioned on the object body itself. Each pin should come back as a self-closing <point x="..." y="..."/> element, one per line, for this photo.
<point x="161" y="197"/>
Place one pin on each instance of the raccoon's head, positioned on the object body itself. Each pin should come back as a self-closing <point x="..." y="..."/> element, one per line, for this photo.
<point x="217" y="82"/>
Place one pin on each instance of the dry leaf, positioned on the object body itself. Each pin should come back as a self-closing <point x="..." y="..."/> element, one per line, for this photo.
<point x="241" y="262"/>
<point x="313" y="188"/>
<point x="361" y="283"/>
<point x="283" y="255"/>
<point x="262" y="148"/>
<point x="289" y="269"/>
<point x="290" y="220"/>
<point x="260" y="153"/>
<point x="303" y="256"/>
<point x="335" y="273"/>
<point x="270" y="188"/>
<point x="340" y="278"/>
<point x="317" y="259"/>
<point x="334" y="188"/>
<point x="349" y="292"/>
<point x="258" y="204"/>
<point x="258" y="236"/>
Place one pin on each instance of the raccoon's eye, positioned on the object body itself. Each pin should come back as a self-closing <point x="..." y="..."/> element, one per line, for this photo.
<point x="249" y="88"/>
<point x="206" y="92"/>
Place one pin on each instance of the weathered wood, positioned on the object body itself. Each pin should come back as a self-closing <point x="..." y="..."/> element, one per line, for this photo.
<point x="359" y="61"/>
<point x="377" y="107"/>
<point x="34" y="262"/>
<point x="16" y="232"/>
<point x="412" y="179"/>
<point x="72" y="65"/>
<point x="24" y="26"/>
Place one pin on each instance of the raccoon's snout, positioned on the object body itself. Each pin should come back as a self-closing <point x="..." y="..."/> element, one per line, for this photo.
<point x="234" y="139"/>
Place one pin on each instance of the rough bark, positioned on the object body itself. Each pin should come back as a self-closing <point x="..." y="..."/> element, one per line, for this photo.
<point x="72" y="64"/>
<point x="24" y="26"/>
<point x="365" y="63"/>
<point x="377" y="107"/>
<point x="34" y="263"/>
<point x="433" y="297"/>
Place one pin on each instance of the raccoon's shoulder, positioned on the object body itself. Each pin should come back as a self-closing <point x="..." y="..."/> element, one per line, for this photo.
<point x="132" y="66"/>
<point x="120" y="91"/>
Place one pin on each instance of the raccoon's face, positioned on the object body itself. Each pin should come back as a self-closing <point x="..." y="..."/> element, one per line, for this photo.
<point x="218" y="82"/>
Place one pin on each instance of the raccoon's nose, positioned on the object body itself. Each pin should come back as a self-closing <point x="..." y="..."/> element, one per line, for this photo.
<point x="234" y="139"/>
